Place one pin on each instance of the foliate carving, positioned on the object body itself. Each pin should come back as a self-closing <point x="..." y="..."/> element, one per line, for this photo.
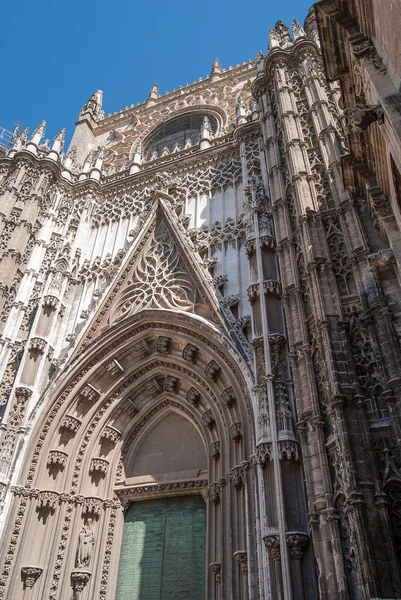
<point x="236" y="431"/>
<point x="37" y="344"/>
<point x="237" y="477"/>
<point x="141" y="349"/>
<point x="79" y="580"/>
<point x="93" y="506"/>
<point x="163" y="344"/>
<point x="214" y="492"/>
<point x="272" y="286"/>
<point x="215" y="450"/>
<point x="253" y="293"/>
<point x="30" y="575"/>
<point x="89" y="393"/>
<point x="297" y="543"/>
<point x="242" y="559"/>
<point x="159" y="279"/>
<point x="288" y="450"/>
<point x="382" y="258"/>
<point x="193" y="396"/>
<point x="220" y="280"/>
<point x="111" y="434"/>
<point x="277" y="343"/>
<point x="228" y="396"/>
<point x="50" y="301"/>
<point x="272" y="543"/>
<point x="208" y="418"/>
<point x="57" y="457"/>
<point x="70" y="423"/>
<point x="172" y="486"/>
<point x="171" y="384"/>
<point x="189" y="353"/>
<point x="216" y="570"/>
<point x="48" y="499"/>
<point x="99" y="465"/>
<point x="264" y="453"/>
<point x="359" y="117"/>
<point x="114" y="368"/>
<point x="212" y="369"/>
<point x="153" y="387"/>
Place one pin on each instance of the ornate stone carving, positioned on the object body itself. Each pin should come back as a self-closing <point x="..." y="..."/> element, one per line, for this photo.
<point x="382" y="258"/>
<point x="159" y="278"/>
<point x="237" y="477"/>
<point x="50" y="301"/>
<point x="86" y="541"/>
<point x="57" y="457"/>
<point x="288" y="450"/>
<point x="171" y="384"/>
<point x="79" y="580"/>
<point x="212" y="369"/>
<point x="111" y="434"/>
<point x="208" y="419"/>
<point x="93" y="506"/>
<point x="228" y="396"/>
<point x="360" y="117"/>
<point x="89" y="393"/>
<point x="163" y="344"/>
<point x="297" y="543"/>
<point x="193" y="396"/>
<point x="236" y="431"/>
<point x="114" y="368"/>
<point x="242" y="558"/>
<point x="37" y="344"/>
<point x="153" y="387"/>
<point x="216" y="570"/>
<point x="30" y="575"/>
<point x="215" y="450"/>
<point x="99" y="465"/>
<point x="48" y="499"/>
<point x="70" y="423"/>
<point x="189" y="353"/>
<point x="264" y="453"/>
<point x="141" y="349"/>
<point x="272" y="543"/>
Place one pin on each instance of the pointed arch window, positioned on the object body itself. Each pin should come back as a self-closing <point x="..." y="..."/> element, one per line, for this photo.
<point x="176" y="134"/>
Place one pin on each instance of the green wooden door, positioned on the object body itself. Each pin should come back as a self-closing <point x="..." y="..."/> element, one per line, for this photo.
<point x="163" y="550"/>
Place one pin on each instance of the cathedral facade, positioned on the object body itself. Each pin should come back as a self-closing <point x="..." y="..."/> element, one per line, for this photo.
<point x="200" y="346"/>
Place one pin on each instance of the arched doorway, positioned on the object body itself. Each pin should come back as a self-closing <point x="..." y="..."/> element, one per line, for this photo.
<point x="106" y="447"/>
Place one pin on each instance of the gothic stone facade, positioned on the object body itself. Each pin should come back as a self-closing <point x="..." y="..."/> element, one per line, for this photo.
<point x="195" y="265"/>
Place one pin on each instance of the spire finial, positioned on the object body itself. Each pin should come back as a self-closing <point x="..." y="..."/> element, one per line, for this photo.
<point x="297" y="31"/>
<point x="216" y="69"/>
<point x="279" y="37"/>
<point x="39" y="132"/>
<point x="154" y="91"/>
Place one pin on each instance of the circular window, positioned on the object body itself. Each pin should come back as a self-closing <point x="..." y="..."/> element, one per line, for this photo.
<point x="177" y="133"/>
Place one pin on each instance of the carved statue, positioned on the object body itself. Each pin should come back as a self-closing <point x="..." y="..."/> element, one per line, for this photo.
<point x="86" y="541"/>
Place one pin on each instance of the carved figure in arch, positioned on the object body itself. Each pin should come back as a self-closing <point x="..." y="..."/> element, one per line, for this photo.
<point x="86" y="541"/>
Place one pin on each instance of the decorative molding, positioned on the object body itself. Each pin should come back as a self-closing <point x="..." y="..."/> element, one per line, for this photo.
<point x="79" y="580"/>
<point x="57" y="457"/>
<point x="154" y="489"/>
<point x="70" y="423"/>
<point x="30" y="575"/>
<point x="228" y="397"/>
<point x="272" y="543"/>
<point x="215" y="450"/>
<point x="242" y="559"/>
<point x="99" y="465"/>
<point x="297" y="542"/>
<point x="189" y="353"/>
<point x="212" y="369"/>
<point x="111" y="434"/>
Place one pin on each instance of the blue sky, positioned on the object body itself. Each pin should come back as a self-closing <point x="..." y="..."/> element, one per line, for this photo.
<point x="56" y="54"/>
